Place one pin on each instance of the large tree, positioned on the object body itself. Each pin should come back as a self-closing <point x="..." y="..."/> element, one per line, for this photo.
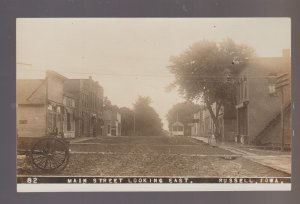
<point x="183" y="113"/>
<point x="127" y="121"/>
<point x="207" y="71"/>
<point x="147" y="121"/>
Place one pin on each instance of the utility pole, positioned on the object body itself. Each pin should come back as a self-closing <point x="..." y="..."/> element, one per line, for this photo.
<point x="133" y="123"/>
<point x="46" y="104"/>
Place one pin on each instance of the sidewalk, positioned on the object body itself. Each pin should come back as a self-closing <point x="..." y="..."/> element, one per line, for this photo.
<point x="80" y="139"/>
<point x="277" y="160"/>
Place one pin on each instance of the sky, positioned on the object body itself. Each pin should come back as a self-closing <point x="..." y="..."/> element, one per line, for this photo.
<point x="130" y="56"/>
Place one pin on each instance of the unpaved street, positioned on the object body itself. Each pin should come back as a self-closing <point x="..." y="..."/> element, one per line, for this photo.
<point x="156" y="156"/>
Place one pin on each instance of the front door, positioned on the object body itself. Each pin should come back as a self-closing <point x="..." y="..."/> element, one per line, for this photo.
<point x="243" y="122"/>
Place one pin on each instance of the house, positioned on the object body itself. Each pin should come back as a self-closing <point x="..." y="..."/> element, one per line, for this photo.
<point x="116" y="124"/>
<point x="226" y="119"/>
<point x="177" y="129"/>
<point x="112" y="123"/>
<point x="197" y="124"/>
<point x="258" y="111"/>
<point x="88" y="96"/>
<point x="44" y="108"/>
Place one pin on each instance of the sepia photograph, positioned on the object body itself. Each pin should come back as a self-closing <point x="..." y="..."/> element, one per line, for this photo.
<point x="153" y="104"/>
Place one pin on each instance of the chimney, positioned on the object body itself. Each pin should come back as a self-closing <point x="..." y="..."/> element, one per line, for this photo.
<point x="286" y="53"/>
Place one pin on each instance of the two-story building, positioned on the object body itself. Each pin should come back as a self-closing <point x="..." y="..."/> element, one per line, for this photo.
<point x="69" y="115"/>
<point x="89" y="102"/>
<point x="258" y="111"/>
<point x="42" y="107"/>
<point x="226" y="119"/>
<point x="197" y="124"/>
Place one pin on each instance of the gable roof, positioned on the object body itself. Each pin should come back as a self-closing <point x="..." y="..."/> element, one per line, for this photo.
<point x="177" y="123"/>
<point x="30" y="91"/>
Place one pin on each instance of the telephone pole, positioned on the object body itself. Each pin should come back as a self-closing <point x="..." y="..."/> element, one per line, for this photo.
<point x="133" y="123"/>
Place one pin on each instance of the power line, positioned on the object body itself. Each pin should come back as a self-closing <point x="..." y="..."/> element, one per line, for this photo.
<point x="156" y="75"/>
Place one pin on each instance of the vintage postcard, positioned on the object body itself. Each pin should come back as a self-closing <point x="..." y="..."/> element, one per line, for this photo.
<point x="153" y="104"/>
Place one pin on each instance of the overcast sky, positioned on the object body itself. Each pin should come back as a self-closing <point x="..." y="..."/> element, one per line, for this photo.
<point x="129" y="57"/>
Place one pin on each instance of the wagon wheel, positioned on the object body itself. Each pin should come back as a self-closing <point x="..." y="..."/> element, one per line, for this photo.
<point x="50" y="154"/>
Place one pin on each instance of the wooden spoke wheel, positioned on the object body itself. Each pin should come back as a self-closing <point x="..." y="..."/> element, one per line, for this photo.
<point x="50" y="154"/>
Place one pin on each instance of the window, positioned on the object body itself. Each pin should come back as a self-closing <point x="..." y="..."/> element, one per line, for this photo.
<point x="177" y="128"/>
<point x="68" y="122"/>
<point x="245" y="88"/>
<point x="108" y="129"/>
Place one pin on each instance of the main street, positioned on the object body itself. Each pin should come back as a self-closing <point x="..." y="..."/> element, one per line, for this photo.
<point x="155" y="156"/>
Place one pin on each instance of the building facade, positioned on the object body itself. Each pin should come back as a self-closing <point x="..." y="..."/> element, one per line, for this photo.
<point x="226" y="119"/>
<point x="177" y="129"/>
<point x="112" y="123"/>
<point x="41" y="109"/>
<point x="197" y="125"/>
<point x="258" y="110"/>
<point x="69" y="115"/>
<point x="88" y="96"/>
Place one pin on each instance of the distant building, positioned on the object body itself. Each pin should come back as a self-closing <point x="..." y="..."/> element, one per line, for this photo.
<point x="112" y="123"/>
<point x="116" y="124"/>
<point x="89" y="102"/>
<point x="43" y="107"/>
<point x="177" y="129"/>
<point x="197" y="124"/>
<point x="226" y="119"/>
<point x="258" y="112"/>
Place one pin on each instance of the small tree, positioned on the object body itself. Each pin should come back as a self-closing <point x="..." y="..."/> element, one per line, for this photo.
<point x="206" y="72"/>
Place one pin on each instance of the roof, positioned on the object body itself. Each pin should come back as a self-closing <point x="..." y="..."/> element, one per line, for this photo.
<point x="51" y="73"/>
<point x="267" y="65"/>
<point x="30" y="91"/>
<point x="177" y="123"/>
<point x="69" y="95"/>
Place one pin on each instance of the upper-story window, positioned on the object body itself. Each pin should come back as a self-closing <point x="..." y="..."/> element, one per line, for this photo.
<point x="70" y="102"/>
<point x="242" y="93"/>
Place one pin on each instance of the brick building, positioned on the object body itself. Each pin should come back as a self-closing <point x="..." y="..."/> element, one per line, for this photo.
<point x="69" y="116"/>
<point x="88" y="96"/>
<point x="258" y="112"/>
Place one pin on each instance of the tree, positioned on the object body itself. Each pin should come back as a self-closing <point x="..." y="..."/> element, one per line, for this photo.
<point x="206" y="71"/>
<point x="184" y="111"/>
<point x="127" y="117"/>
<point x="107" y="105"/>
<point x="147" y="120"/>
